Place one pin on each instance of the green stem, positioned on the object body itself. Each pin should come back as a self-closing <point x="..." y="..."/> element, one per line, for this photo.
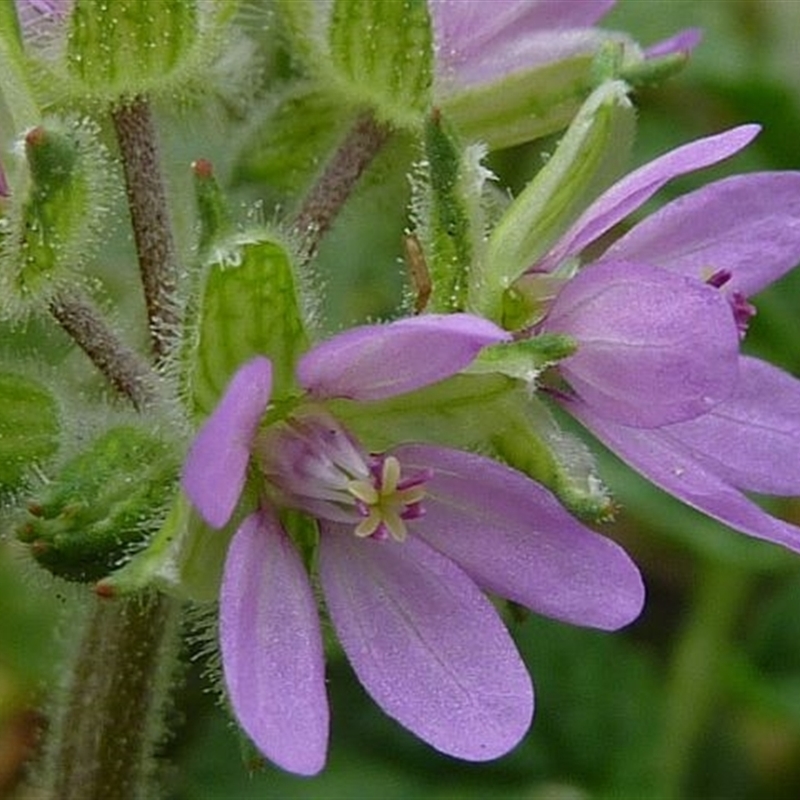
<point x="694" y="682"/>
<point x="110" y="724"/>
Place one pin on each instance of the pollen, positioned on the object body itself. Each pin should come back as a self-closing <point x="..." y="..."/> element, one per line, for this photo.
<point x="387" y="500"/>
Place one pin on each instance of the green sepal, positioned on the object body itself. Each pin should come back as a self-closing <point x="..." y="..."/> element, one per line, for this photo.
<point x="118" y="47"/>
<point x="468" y="412"/>
<point x="524" y="359"/>
<point x="445" y="224"/>
<point x="488" y="413"/>
<point x="458" y="412"/>
<point x="54" y="208"/>
<point x="185" y="558"/>
<point x="529" y="439"/>
<point x="109" y="52"/>
<point x="527" y="104"/>
<point x="55" y="220"/>
<point x="249" y="305"/>
<point x="102" y="504"/>
<point x="523" y="106"/>
<point x="382" y="56"/>
<point x="29" y="428"/>
<point x="588" y="158"/>
<point x="652" y="71"/>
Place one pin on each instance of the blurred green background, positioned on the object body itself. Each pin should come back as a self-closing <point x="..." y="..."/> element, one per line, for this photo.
<point x="700" y="698"/>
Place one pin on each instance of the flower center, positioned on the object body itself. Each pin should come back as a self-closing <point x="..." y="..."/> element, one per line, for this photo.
<point x="386" y="500"/>
<point x="313" y="464"/>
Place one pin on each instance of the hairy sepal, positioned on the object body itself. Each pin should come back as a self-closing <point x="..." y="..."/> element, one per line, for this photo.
<point x="250" y="304"/>
<point x="590" y="156"/>
<point x="55" y="219"/>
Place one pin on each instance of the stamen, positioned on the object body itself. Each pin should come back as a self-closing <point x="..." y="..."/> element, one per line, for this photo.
<point x="387" y="500"/>
<point x="719" y="278"/>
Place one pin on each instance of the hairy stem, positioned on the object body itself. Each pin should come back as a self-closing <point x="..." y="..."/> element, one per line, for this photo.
<point x="147" y="200"/>
<point x="109" y="726"/>
<point x="109" y="722"/>
<point x="694" y="683"/>
<point x="331" y="191"/>
<point x="122" y="367"/>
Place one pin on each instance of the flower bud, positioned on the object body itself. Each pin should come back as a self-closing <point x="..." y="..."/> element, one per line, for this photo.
<point x="382" y="54"/>
<point x="109" y="44"/>
<point x="112" y="51"/>
<point x="212" y="209"/>
<point x="249" y="304"/>
<point x="55" y="222"/>
<point x="373" y="53"/>
<point x="102" y="504"/>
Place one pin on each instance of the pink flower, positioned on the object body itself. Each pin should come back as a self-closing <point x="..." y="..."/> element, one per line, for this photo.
<point x="408" y="541"/>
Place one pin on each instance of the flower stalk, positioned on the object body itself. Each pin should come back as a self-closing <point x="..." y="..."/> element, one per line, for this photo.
<point x="123" y="368"/>
<point x="147" y="200"/>
<point x="336" y="183"/>
<point x="110" y="723"/>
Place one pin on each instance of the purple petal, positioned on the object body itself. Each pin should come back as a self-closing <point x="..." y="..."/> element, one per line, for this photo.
<point x="468" y="30"/>
<point x="216" y="467"/>
<point x="378" y="361"/>
<point x="426" y="644"/>
<point x="653" y="347"/>
<point x="633" y="191"/>
<point x="752" y="441"/>
<point x="513" y="538"/>
<point x="669" y="465"/>
<point x="748" y="225"/>
<point x="682" y="43"/>
<point x="272" y="647"/>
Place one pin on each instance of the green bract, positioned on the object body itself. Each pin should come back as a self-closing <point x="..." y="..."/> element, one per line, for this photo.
<point x="101" y="504"/>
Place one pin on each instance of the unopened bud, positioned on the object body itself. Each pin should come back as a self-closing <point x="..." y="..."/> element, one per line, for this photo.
<point x="102" y="505"/>
<point x="249" y="304"/>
